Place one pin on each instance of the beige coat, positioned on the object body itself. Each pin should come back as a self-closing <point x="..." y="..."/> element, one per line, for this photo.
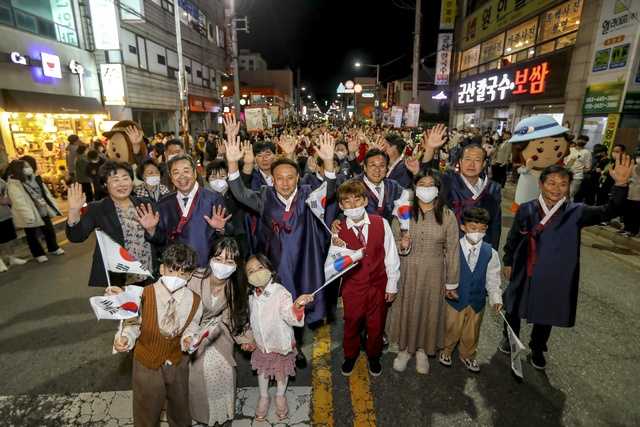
<point x="24" y="211"/>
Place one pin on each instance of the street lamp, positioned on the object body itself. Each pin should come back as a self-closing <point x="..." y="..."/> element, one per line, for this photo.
<point x="359" y="64"/>
<point x="308" y="96"/>
<point x="304" y="88"/>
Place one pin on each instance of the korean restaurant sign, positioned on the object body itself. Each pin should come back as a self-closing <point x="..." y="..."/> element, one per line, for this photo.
<point x="496" y="15"/>
<point x="539" y="79"/>
<point x="447" y="14"/>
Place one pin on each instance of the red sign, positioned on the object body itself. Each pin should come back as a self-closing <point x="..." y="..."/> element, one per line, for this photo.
<point x="536" y="76"/>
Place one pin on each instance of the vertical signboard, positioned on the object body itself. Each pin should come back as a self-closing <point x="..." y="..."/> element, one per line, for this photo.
<point x="104" y="22"/>
<point x="447" y="14"/>
<point x="445" y="44"/>
<point x="112" y="77"/>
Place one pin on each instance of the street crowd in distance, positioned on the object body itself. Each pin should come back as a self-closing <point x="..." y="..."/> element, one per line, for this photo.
<point x="237" y="229"/>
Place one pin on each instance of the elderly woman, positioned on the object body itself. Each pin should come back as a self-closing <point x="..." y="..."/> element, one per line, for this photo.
<point x="151" y="188"/>
<point x="116" y="216"/>
<point x="32" y="207"/>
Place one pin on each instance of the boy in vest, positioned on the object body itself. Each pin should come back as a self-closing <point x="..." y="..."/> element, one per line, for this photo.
<point x="167" y="323"/>
<point x="373" y="283"/>
<point x="479" y="276"/>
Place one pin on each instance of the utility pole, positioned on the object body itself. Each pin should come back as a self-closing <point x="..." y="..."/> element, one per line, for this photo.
<point x="416" y="52"/>
<point x="299" y="96"/>
<point x="183" y="86"/>
<point x="234" y="57"/>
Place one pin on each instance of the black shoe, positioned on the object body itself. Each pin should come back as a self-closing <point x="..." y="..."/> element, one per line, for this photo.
<point x="504" y="346"/>
<point x="347" y="366"/>
<point x="375" y="368"/>
<point x="301" y="360"/>
<point x="537" y="360"/>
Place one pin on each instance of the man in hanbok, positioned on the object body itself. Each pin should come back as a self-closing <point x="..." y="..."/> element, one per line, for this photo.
<point x="542" y="255"/>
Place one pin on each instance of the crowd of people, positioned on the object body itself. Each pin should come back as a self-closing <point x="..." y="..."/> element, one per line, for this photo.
<point x="237" y="249"/>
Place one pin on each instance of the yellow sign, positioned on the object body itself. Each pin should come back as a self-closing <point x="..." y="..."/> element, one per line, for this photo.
<point x="447" y="14"/>
<point x="495" y="16"/>
<point x="610" y="132"/>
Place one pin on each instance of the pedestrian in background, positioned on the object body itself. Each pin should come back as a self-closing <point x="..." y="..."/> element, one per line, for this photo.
<point x="81" y="172"/>
<point x="8" y="234"/>
<point x="71" y="154"/>
<point x="32" y="207"/>
<point x="150" y="188"/>
<point x="429" y="260"/>
<point x="631" y="213"/>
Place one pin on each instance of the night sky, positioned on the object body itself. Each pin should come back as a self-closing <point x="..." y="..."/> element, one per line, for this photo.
<point x="325" y="37"/>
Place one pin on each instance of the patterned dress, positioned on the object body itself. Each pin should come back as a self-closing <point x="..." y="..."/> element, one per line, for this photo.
<point x="416" y="318"/>
<point x="134" y="241"/>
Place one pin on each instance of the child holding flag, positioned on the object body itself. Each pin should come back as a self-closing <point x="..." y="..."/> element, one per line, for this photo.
<point x="273" y="314"/>
<point x="479" y="275"/>
<point x="160" y="334"/>
<point x="368" y="287"/>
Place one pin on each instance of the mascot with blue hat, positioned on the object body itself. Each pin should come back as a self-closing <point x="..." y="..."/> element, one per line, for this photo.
<point x="538" y="142"/>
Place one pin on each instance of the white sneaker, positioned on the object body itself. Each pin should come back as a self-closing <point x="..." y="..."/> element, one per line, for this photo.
<point x="42" y="258"/>
<point x="58" y="251"/>
<point x="14" y="260"/>
<point x="401" y="360"/>
<point x="3" y="266"/>
<point x="422" y="362"/>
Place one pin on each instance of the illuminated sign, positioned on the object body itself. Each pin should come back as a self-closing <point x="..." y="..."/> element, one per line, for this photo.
<point x="78" y="68"/>
<point x="367" y="95"/>
<point x="16" y="58"/>
<point x="541" y="78"/>
<point x="51" y="65"/>
<point x="112" y="77"/>
<point x="104" y="22"/>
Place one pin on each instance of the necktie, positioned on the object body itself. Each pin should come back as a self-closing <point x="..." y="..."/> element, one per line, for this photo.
<point x="360" y="235"/>
<point x="185" y="201"/>
<point x="472" y="258"/>
<point x="169" y="325"/>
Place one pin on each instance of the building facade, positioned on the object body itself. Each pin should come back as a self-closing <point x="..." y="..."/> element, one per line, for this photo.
<point x="514" y="59"/>
<point x="251" y="61"/>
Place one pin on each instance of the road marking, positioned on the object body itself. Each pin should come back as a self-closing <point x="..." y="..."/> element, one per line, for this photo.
<point x="364" y="413"/>
<point x="322" y="412"/>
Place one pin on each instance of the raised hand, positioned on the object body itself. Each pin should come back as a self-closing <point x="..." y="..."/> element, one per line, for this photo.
<point x="326" y="147"/>
<point x="622" y="171"/>
<point x="287" y="144"/>
<point x="412" y="164"/>
<point x="434" y="138"/>
<point x="220" y="147"/>
<point x="218" y="219"/>
<point x="233" y="151"/>
<point x="353" y="145"/>
<point x="75" y="197"/>
<point x="247" y="152"/>
<point x="135" y="135"/>
<point x="231" y="127"/>
<point x="147" y="218"/>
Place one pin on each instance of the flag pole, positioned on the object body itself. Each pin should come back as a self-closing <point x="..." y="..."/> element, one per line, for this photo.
<point x="328" y="282"/>
<point x="104" y="261"/>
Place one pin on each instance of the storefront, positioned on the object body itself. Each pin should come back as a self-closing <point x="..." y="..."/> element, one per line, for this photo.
<point x="38" y="125"/>
<point x="202" y="113"/>
<point x="498" y="99"/>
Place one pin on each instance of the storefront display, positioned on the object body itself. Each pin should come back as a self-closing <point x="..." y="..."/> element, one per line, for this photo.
<point x="44" y="136"/>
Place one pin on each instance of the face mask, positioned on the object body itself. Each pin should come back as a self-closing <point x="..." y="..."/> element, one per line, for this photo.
<point x="427" y="194"/>
<point x="171" y="156"/>
<point x="260" y="278"/>
<point x="355" y="213"/>
<point x="222" y="271"/>
<point x="341" y="155"/>
<point x="173" y="283"/>
<point x="475" y="237"/>
<point x="27" y="171"/>
<point x="219" y="185"/>
<point x="152" y="180"/>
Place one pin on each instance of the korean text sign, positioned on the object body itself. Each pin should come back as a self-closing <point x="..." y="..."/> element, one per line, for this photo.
<point x="542" y="78"/>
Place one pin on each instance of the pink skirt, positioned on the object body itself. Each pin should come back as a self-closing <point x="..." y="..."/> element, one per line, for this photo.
<point x="274" y="365"/>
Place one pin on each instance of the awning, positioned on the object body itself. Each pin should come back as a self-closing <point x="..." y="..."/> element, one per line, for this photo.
<point x="18" y="101"/>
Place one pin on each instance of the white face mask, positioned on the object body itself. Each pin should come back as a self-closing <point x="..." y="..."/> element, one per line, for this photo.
<point x="475" y="237"/>
<point x="27" y="171"/>
<point x="355" y="213"/>
<point x="219" y="185"/>
<point x="152" y="181"/>
<point x="170" y="156"/>
<point x="222" y="271"/>
<point x="173" y="283"/>
<point x="426" y="194"/>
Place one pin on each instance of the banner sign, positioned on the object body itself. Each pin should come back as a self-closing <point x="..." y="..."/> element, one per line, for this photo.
<point x="541" y="78"/>
<point x="603" y="97"/>
<point x="447" y="14"/>
<point x="496" y="15"/>
<point x="610" y="131"/>
<point x="413" y="115"/>
<point x="445" y="44"/>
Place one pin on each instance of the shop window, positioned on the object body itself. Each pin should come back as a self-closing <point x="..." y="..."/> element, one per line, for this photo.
<point x="492" y="48"/>
<point x="565" y="41"/>
<point x="54" y="20"/>
<point x="545" y="48"/>
<point x="492" y="65"/>
<point x="162" y="60"/>
<point x="470" y="58"/>
<point x="521" y="36"/>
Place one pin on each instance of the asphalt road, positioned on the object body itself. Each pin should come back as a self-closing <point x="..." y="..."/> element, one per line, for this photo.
<point x="52" y="346"/>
